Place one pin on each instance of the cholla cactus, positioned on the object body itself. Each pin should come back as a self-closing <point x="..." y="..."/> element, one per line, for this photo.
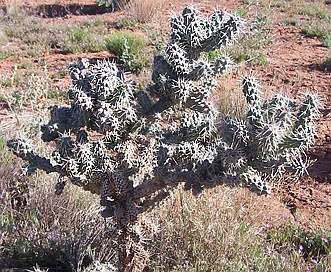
<point x="272" y="139"/>
<point x="129" y="146"/>
<point x="183" y="74"/>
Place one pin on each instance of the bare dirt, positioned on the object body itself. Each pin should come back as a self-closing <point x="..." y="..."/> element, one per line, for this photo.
<point x="295" y="67"/>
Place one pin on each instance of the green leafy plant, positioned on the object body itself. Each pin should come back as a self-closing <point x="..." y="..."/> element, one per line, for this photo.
<point x="319" y="24"/>
<point x="114" y="4"/>
<point x="132" y="147"/>
<point x="129" y="47"/>
<point x="4" y="54"/>
<point x="326" y="40"/>
<point x="2" y="143"/>
<point x="156" y="39"/>
<point x="78" y="34"/>
<point x="252" y="43"/>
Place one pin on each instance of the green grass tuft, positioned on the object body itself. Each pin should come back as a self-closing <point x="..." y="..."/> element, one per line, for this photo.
<point x="326" y="40"/>
<point x="4" y="54"/>
<point x="251" y="46"/>
<point x="121" y="40"/>
<point x="131" y="48"/>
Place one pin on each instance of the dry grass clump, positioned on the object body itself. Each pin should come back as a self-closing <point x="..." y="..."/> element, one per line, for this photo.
<point x="54" y="231"/>
<point x="142" y="11"/>
<point x="3" y="37"/>
<point x="225" y="229"/>
<point x="12" y="6"/>
<point x="228" y="97"/>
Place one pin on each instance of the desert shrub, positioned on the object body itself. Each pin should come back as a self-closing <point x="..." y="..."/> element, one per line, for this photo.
<point x="252" y="43"/>
<point x="2" y="143"/>
<point x="12" y="7"/>
<point x="139" y="11"/>
<point x="142" y="11"/>
<point x="317" y="10"/>
<point x="31" y="90"/>
<point x="326" y="65"/>
<point x="4" y="54"/>
<point x="69" y="236"/>
<point x="132" y="147"/>
<point x="326" y="42"/>
<point x="318" y="24"/>
<point x="114" y="4"/>
<point x="84" y="36"/>
<point x="28" y="30"/>
<point x="130" y="47"/>
<point x="312" y="243"/>
<point x="225" y="229"/>
<point x="317" y="29"/>
<point x="125" y="41"/>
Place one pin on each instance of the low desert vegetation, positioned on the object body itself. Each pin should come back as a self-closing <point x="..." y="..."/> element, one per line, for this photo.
<point x="252" y="46"/>
<point x="131" y="49"/>
<point x="216" y="232"/>
<point x="314" y="19"/>
<point x="220" y="228"/>
<point x="28" y="31"/>
<point x="29" y="91"/>
<point x="326" y="65"/>
<point x="142" y="11"/>
<point x="210" y="232"/>
<point x="114" y="4"/>
<point x="64" y="233"/>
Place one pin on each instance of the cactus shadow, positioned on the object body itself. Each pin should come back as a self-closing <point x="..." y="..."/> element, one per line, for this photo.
<point x="57" y="10"/>
<point x="320" y="170"/>
<point x="320" y="154"/>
